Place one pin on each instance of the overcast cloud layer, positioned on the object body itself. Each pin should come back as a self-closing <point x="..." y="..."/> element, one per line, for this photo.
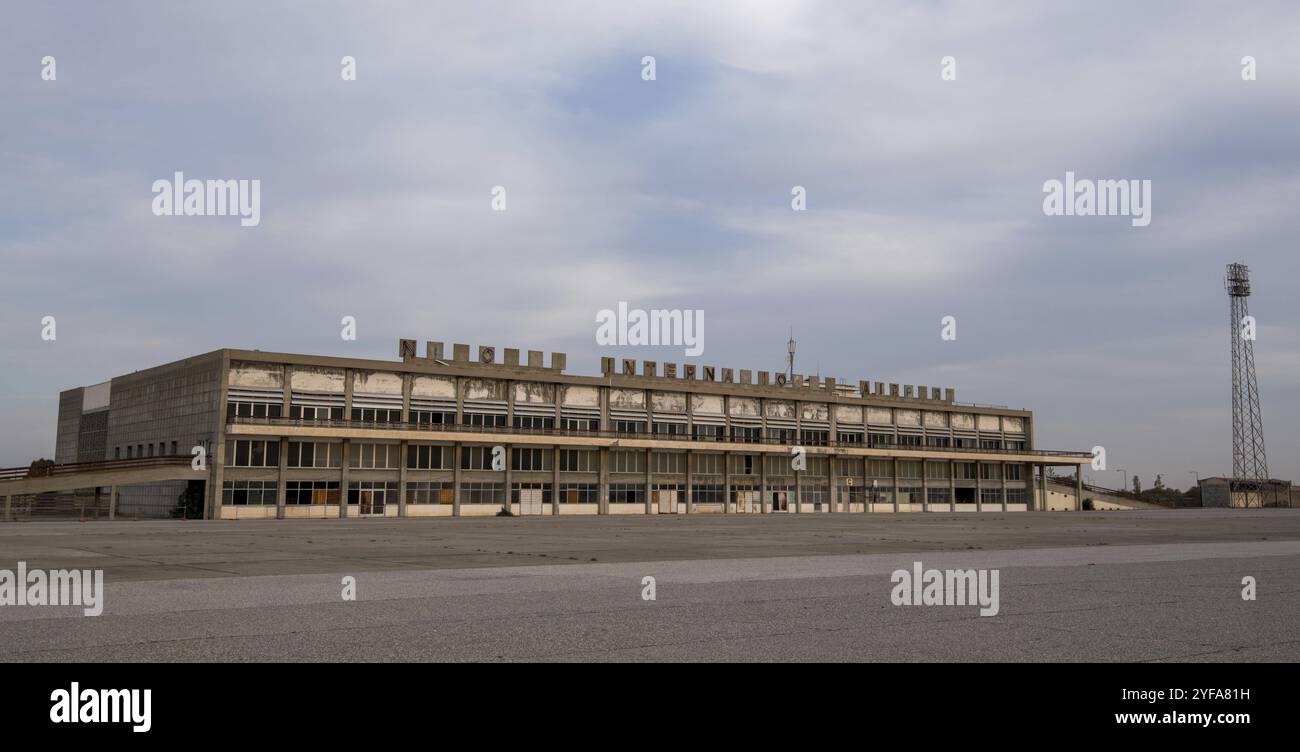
<point x="924" y="196"/>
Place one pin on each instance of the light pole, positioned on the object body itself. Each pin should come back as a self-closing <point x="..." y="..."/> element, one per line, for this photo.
<point x="1124" y="474"/>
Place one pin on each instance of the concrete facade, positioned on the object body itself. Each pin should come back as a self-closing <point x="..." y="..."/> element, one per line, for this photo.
<point x="299" y="436"/>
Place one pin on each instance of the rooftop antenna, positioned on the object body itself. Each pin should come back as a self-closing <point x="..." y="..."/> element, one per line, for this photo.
<point x="789" y="346"/>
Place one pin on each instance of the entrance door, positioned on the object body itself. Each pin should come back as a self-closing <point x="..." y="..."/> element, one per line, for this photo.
<point x="667" y="501"/>
<point x="780" y="501"/>
<point x="530" y="501"/>
<point x="371" y="504"/>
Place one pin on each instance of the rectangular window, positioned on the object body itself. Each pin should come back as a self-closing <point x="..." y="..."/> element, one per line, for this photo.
<point x="745" y="434"/>
<point x="432" y="417"/>
<point x="990" y="443"/>
<point x="668" y="462"/>
<point x="428" y="457"/>
<point x="377" y="415"/>
<point x="964" y="470"/>
<point x="938" y="441"/>
<point x="579" y="460"/>
<point x="487" y="420"/>
<point x="708" y="433"/>
<point x="248" y="492"/>
<point x="880" y="439"/>
<point x="476" y="458"/>
<point x="252" y="453"/>
<point x="315" y="413"/>
<point x="374" y="456"/>
<point x="305" y="492"/>
<point x="781" y="435"/>
<point x="814" y="437"/>
<point x="530" y="459"/>
<point x="627" y="461"/>
<point x="430" y="492"/>
<point x="669" y="429"/>
<point x="629" y="426"/>
<point x="482" y="493"/>
<point x="990" y="471"/>
<point x="581" y="425"/>
<point x="534" y="422"/>
<point x="708" y="464"/>
<point x="851" y="438"/>
<point x="579" y="493"/>
<point x="627" y="493"/>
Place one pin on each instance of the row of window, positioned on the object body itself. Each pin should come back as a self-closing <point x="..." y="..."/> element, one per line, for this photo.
<point x="372" y="496"/>
<point x="744" y="434"/>
<point x="137" y="451"/>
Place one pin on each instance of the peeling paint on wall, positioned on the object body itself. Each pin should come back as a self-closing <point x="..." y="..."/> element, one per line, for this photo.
<point x="814" y="411"/>
<point x="848" y="414"/>
<point x="534" y="393"/>
<point x="779" y="409"/>
<point x="707" y="403"/>
<point x="744" y="407"/>
<point x="443" y="387"/>
<point x="908" y="417"/>
<point x="988" y="423"/>
<point x="582" y="396"/>
<point x="668" y="402"/>
<point x="627" y="398"/>
<point x="256" y="376"/>
<point x="935" y="420"/>
<point x="376" y="382"/>
<point x="964" y="421"/>
<point x="1013" y="425"/>
<point x="485" y="389"/>
<point x="312" y="379"/>
<point x="880" y="415"/>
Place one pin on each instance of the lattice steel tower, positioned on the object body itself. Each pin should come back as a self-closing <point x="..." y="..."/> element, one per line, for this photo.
<point x="1248" y="460"/>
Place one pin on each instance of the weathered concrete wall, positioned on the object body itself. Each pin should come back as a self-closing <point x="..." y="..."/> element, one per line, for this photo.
<point x="814" y="411"/>
<point x="668" y="402"/>
<point x="256" y="376"/>
<point x="376" y="382"/>
<point x="65" y="442"/>
<point x="581" y="396"/>
<point x="534" y="393"/>
<point x="321" y="380"/>
<point x="439" y="387"/>
<point x="177" y="402"/>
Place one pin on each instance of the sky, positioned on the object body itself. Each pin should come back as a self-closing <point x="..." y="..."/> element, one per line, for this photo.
<point x="924" y="196"/>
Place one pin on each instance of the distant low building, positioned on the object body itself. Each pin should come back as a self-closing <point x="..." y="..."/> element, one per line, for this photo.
<point x="1243" y="493"/>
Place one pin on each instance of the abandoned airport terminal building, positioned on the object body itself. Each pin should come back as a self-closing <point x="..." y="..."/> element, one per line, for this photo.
<point x="299" y="436"/>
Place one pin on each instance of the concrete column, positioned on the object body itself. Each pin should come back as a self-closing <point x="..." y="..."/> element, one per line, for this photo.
<point x="1078" y="488"/>
<point x="282" y="482"/>
<point x="507" y="498"/>
<point x="798" y="493"/>
<point x="555" y="481"/>
<point x="866" y="470"/>
<point x="690" y="467"/>
<point x="832" y="474"/>
<point x="895" y="466"/>
<point x="925" y="482"/>
<point x="979" y="502"/>
<point x="9" y="507"/>
<point x="602" y="501"/>
<point x="343" y="472"/>
<point x="649" y="474"/>
<point x="726" y="482"/>
<point x="1002" y="471"/>
<point x="952" y="486"/>
<point x="455" y="469"/>
<point x="762" y="483"/>
<point x="1042" y="484"/>
<point x="112" y="502"/>
<point x="401" y="474"/>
